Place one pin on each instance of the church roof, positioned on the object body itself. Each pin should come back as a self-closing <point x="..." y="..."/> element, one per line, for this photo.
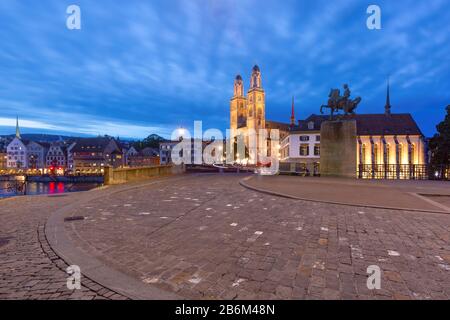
<point x="369" y="124"/>
<point x="277" y="125"/>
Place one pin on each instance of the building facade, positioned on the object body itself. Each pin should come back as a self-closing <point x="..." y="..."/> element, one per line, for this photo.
<point x="165" y="151"/>
<point x="36" y="154"/>
<point x="3" y="158"/>
<point x="91" y="155"/>
<point x="142" y="158"/>
<point x="17" y="154"/>
<point x="57" y="157"/>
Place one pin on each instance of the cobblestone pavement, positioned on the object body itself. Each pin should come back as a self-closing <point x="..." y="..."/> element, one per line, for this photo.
<point x="207" y="237"/>
<point x="29" y="269"/>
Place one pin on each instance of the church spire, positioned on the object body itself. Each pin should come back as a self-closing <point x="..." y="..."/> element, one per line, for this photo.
<point x="292" y="113"/>
<point x="387" y="107"/>
<point x="17" y="128"/>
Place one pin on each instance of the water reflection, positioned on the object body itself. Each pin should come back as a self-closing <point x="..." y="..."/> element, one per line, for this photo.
<point x="12" y="188"/>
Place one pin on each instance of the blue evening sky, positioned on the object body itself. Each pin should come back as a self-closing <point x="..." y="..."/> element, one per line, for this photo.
<point x="142" y="67"/>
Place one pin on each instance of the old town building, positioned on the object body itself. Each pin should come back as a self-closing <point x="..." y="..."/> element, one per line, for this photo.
<point x="91" y="155"/>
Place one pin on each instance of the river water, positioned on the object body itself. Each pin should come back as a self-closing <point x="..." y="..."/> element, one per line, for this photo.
<point x="11" y="188"/>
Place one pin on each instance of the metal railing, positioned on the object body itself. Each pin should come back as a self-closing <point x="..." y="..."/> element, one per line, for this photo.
<point x="404" y="171"/>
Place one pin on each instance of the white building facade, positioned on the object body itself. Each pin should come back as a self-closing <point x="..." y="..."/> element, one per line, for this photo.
<point x="17" y="154"/>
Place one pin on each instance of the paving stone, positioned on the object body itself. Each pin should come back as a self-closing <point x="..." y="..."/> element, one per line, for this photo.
<point x="302" y="250"/>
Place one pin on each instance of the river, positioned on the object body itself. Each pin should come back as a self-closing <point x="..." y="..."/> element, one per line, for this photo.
<point x="11" y="188"/>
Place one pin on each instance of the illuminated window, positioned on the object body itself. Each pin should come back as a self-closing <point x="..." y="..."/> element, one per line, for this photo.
<point x="304" y="150"/>
<point x="317" y="150"/>
<point x="304" y="138"/>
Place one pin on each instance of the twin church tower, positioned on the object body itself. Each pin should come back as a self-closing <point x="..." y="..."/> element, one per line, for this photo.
<point x="248" y="120"/>
<point x="248" y="112"/>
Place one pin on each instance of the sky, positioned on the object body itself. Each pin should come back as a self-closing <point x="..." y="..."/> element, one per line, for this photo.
<point x="142" y="67"/>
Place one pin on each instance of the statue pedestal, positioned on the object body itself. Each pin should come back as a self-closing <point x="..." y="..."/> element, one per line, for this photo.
<point x="338" y="148"/>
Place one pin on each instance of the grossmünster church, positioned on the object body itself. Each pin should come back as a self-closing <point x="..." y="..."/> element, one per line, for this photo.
<point x="389" y="145"/>
<point x="248" y="112"/>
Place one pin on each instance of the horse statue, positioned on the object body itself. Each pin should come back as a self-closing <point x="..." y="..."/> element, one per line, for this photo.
<point x="337" y="102"/>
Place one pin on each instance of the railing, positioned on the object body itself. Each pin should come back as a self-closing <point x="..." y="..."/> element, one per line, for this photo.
<point x="302" y="169"/>
<point x="404" y="171"/>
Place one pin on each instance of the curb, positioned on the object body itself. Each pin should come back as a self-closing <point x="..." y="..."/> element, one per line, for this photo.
<point x="283" y="195"/>
<point x="92" y="267"/>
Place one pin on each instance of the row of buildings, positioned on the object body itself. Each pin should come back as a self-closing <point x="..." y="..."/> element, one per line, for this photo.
<point x="81" y="155"/>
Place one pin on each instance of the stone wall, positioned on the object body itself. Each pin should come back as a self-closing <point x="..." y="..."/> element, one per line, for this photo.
<point x="338" y="150"/>
<point x="123" y="175"/>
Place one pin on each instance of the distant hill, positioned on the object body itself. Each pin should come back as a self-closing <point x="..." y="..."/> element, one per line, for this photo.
<point x="42" y="137"/>
<point x="39" y="137"/>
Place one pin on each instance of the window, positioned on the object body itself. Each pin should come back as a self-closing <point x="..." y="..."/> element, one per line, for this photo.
<point x="304" y="138"/>
<point x="317" y="138"/>
<point x="317" y="150"/>
<point x="310" y="125"/>
<point x="304" y="150"/>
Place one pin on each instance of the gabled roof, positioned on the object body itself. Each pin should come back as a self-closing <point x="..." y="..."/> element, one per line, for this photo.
<point x="369" y="124"/>
<point x="277" y="125"/>
<point x="91" y="144"/>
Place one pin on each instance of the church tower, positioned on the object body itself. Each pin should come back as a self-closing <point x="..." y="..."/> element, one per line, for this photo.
<point x="17" y="128"/>
<point x="387" y="107"/>
<point x="256" y="102"/>
<point x="238" y="105"/>
<point x="256" y="116"/>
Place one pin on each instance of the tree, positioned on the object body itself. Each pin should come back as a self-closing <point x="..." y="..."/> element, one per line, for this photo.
<point x="440" y="144"/>
<point x="151" y="141"/>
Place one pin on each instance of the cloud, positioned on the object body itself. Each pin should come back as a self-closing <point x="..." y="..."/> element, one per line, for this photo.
<point x="156" y="65"/>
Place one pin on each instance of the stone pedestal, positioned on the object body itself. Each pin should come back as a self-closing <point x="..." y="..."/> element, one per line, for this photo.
<point x="338" y="148"/>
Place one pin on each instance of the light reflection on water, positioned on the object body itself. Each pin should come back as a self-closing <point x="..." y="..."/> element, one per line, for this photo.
<point x="8" y="188"/>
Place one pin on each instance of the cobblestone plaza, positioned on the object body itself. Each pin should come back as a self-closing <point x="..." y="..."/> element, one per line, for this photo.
<point x="208" y="237"/>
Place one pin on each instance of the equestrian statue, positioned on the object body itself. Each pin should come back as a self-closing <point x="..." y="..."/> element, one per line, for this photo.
<point x="337" y="102"/>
